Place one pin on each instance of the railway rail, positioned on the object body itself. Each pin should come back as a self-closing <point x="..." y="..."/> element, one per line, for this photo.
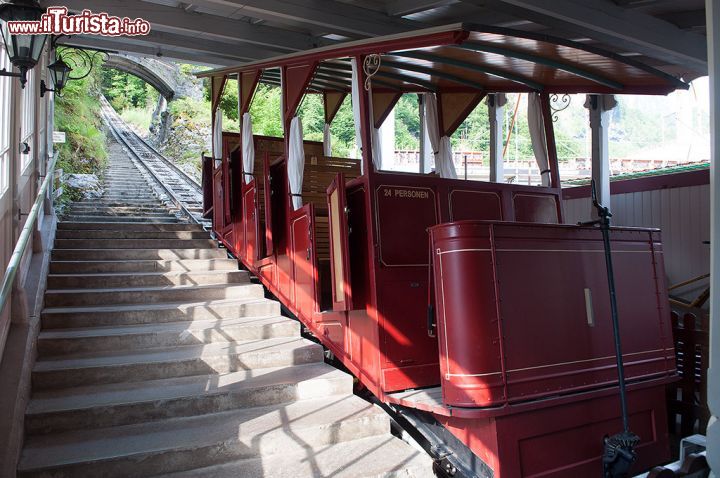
<point x="181" y="188"/>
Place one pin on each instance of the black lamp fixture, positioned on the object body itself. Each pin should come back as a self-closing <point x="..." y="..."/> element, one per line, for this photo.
<point x="24" y="50"/>
<point x="60" y="73"/>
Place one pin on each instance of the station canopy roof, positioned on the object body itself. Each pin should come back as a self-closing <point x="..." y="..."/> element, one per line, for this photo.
<point x="666" y="34"/>
<point x="468" y="57"/>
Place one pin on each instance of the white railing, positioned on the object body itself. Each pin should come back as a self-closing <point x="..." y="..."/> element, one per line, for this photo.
<point x="25" y="236"/>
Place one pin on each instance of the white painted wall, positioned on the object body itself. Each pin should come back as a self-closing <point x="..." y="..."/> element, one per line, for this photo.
<point x="683" y="216"/>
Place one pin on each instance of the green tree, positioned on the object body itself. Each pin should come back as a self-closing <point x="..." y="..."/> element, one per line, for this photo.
<point x="124" y="90"/>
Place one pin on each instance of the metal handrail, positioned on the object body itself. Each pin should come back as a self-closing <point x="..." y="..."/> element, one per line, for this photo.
<point x="25" y="235"/>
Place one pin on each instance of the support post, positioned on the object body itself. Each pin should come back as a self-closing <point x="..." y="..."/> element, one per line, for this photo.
<point x="549" y="127"/>
<point x="15" y="158"/>
<point x="496" y="113"/>
<point x="599" y="118"/>
<point x="421" y="136"/>
<point x="366" y="122"/>
<point x="712" y="14"/>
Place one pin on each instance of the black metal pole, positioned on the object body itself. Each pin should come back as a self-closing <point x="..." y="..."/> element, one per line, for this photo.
<point x="605" y="229"/>
<point x="619" y="449"/>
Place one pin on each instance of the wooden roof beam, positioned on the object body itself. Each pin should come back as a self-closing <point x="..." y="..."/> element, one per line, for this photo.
<point x="176" y="19"/>
<point x="317" y="84"/>
<point x="622" y="28"/>
<point x="419" y="55"/>
<point x="400" y="8"/>
<point x="484" y="48"/>
<point x="326" y="15"/>
<point x="345" y="77"/>
<point x="345" y="68"/>
<point x="236" y="51"/>
<point x="432" y="72"/>
<point x="117" y="44"/>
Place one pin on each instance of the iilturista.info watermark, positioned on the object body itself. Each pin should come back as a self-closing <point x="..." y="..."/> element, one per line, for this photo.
<point x="57" y="21"/>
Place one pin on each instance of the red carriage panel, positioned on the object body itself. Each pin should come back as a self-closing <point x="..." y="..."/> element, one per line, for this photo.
<point x="218" y="203"/>
<point x="301" y="250"/>
<point x="520" y="441"/>
<point x="207" y="186"/>
<point x="539" y="208"/>
<point x="535" y="298"/>
<point x="250" y="225"/>
<point x="479" y="205"/>
<point x="403" y="215"/>
<point x="339" y="247"/>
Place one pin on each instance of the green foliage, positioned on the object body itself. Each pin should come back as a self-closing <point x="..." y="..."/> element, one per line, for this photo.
<point x="342" y="130"/>
<point x="407" y="123"/>
<point x="138" y="117"/>
<point x="265" y="111"/>
<point x="124" y="90"/>
<point x="77" y="113"/>
<point x="229" y="101"/>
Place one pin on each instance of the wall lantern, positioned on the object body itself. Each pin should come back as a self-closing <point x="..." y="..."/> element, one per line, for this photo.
<point x="23" y="50"/>
<point x="60" y="73"/>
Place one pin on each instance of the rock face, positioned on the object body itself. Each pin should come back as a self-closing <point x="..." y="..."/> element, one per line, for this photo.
<point x="88" y="185"/>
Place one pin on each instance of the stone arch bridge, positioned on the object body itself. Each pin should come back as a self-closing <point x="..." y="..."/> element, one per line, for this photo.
<point x="161" y="75"/>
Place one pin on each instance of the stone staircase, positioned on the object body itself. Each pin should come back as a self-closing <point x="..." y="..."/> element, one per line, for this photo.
<point x="157" y="356"/>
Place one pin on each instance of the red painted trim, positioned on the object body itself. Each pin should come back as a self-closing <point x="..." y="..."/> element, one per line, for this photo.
<point x="651" y="183"/>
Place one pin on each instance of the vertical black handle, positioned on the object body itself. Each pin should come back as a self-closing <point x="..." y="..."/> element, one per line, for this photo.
<point x="431" y="320"/>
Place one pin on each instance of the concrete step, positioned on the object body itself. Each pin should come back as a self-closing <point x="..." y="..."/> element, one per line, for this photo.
<point x="120" y="226"/>
<point x="58" y="342"/>
<point x="120" y="203"/>
<point x="135" y="254"/>
<point x="109" y="209"/>
<point x="306" y="426"/>
<point x="127" y="191"/>
<point x="123" y="197"/>
<point x="119" y="243"/>
<point x="124" y="176"/>
<point x="86" y="234"/>
<point x="152" y="279"/>
<point x="151" y="220"/>
<point x="142" y="266"/>
<point x="164" y="213"/>
<point x="116" y="315"/>
<point x="125" y="182"/>
<point x="144" y="295"/>
<point x="136" y="402"/>
<point x="153" y="364"/>
<point x="374" y="457"/>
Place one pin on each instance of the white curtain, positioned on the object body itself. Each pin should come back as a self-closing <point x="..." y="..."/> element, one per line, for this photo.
<point x="377" y="149"/>
<point x="248" y="148"/>
<point x="355" y="97"/>
<point x="537" y="136"/>
<point x="217" y="137"/>
<point x="296" y="161"/>
<point x="442" y="148"/>
<point x="327" y="141"/>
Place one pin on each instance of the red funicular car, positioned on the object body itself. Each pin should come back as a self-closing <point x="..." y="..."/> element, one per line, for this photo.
<point x="514" y="374"/>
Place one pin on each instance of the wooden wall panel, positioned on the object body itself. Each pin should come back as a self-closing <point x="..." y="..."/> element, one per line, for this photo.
<point x="683" y="216"/>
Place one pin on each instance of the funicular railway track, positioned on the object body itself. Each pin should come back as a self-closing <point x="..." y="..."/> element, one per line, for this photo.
<point x="182" y="189"/>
